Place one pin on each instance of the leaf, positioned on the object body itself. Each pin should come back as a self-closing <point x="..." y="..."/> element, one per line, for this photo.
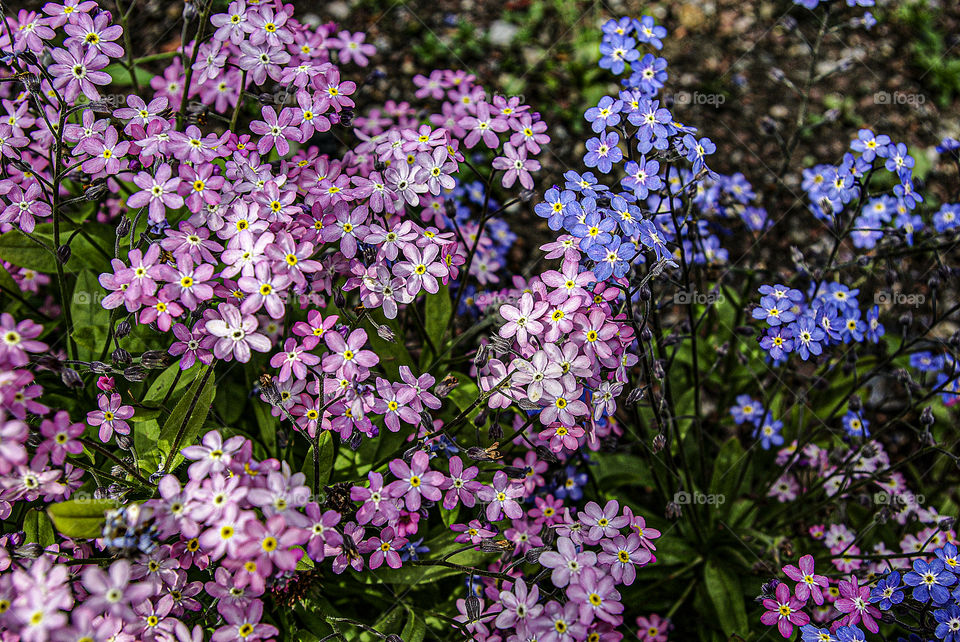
<point x="146" y="435"/>
<point x="158" y="389"/>
<point x="121" y="77"/>
<point x="415" y="629"/>
<point x="17" y="249"/>
<point x="723" y="587"/>
<point x="267" y="424"/>
<point x="437" y="310"/>
<point x="7" y="282"/>
<point x="90" y="319"/>
<point x="204" y="399"/>
<point x="727" y="471"/>
<point x="326" y="460"/>
<point x="80" y="518"/>
<point x="38" y="528"/>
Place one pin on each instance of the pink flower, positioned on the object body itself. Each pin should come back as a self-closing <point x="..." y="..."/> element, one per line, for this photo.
<point x="61" y="437"/>
<point x="784" y="611"/>
<point x="808" y="583"/>
<point x="16" y="340"/>
<point x="76" y="72"/>
<point x="516" y="166"/>
<point x="415" y="480"/>
<point x="111" y="417"/>
<point x="854" y="600"/>
<point x="566" y="562"/>
<point x="159" y="191"/>
<point x="522" y="319"/>
<point x="501" y="497"/>
<point x="462" y="485"/>
<point x="348" y="354"/>
<point x="384" y="548"/>
<point x="237" y="334"/>
<point x="275" y="131"/>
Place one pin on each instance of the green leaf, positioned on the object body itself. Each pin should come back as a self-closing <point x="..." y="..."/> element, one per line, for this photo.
<point x="90" y="319"/>
<point x="723" y="587"/>
<point x="158" y="389"/>
<point x="146" y="435"/>
<point x="38" y="528"/>
<point x="415" y="629"/>
<point x="438" y="309"/>
<point x="121" y="77"/>
<point x="80" y="518"/>
<point x="16" y="248"/>
<point x="7" y="282"/>
<point x="194" y="423"/>
<point x="727" y="471"/>
<point x="267" y="424"/>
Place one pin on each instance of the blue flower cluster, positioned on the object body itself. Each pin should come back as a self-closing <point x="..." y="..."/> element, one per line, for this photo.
<point x="765" y="427"/>
<point x="930" y="586"/>
<point x="616" y="228"/>
<point x="808" y="324"/>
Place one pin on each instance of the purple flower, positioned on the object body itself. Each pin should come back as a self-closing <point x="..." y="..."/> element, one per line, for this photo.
<point x="597" y="597"/>
<point x="602" y="523"/>
<point x="378" y="507"/>
<point x="623" y="554"/>
<point x="784" y="611"/>
<point x="275" y="130"/>
<point x="111" y="417"/>
<point x="415" y="480"/>
<point x="501" y="497"/>
<point x="237" y="334"/>
<point x="159" y="191"/>
<point x="111" y="591"/>
<point x="76" y="72"/>
<point x="348" y="354"/>
<point x="566" y="562"/>
<point x="461" y="484"/>
<point x="519" y="606"/>
<point x="384" y="548"/>
<point x="516" y="165"/>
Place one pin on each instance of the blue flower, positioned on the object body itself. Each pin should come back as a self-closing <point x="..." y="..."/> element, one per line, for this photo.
<point x="627" y="215"/>
<point x="602" y="152"/>
<point x="585" y="184"/>
<point x="617" y="51"/>
<point x="897" y="158"/>
<point x="807" y="337"/>
<point x="887" y="592"/>
<point x="778" y="342"/>
<point x="875" y="329"/>
<point x="930" y="581"/>
<point x="595" y="229"/>
<point x="853" y="326"/>
<point x="650" y="74"/>
<point x="850" y="634"/>
<point x="605" y="114"/>
<point x="611" y="259"/>
<point x="855" y="425"/>
<point x="642" y="177"/>
<point x="747" y="410"/>
<point x="774" y="311"/>
<point x="867" y="143"/>
<point x="653" y="239"/>
<point x="558" y="205"/>
<point x="810" y="633"/>
<point x="768" y="432"/>
<point x="649" y="32"/>
<point x="948" y="627"/>
<point x="571" y="485"/>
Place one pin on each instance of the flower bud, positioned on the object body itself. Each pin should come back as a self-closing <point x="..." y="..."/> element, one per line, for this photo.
<point x="646" y="335"/>
<point x="123" y="329"/>
<point x="98" y="367"/>
<point x="339" y="299"/>
<point x="495" y="433"/>
<point x="95" y="191"/>
<point x="154" y="359"/>
<point x="635" y="396"/>
<point x="71" y="378"/>
<point x="123" y="227"/>
<point x="659" y="442"/>
<point x="926" y="416"/>
<point x="135" y="373"/>
<point x="546" y="455"/>
<point x="673" y="510"/>
<point x="120" y="357"/>
<point x="63" y="254"/>
<point x="393" y="637"/>
<point x="123" y="442"/>
<point x="472" y="608"/>
<point x="386" y="333"/>
<point x="515" y="472"/>
<point x="356" y="439"/>
<point x="855" y="403"/>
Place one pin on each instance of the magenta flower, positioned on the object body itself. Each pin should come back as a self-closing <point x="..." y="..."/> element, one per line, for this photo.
<point x="421" y="269"/>
<point x="502" y="497"/>
<point x="13" y="435"/>
<point x="516" y="165"/>
<point x="243" y="623"/>
<point x="272" y="544"/>
<point x="809" y="584"/>
<point x="193" y="345"/>
<point x="394" y="404"/>
<point x="566" y="562"/>
<point x="213" y="455"/>
<point x="105" y="152"/>
<point x="352" y="48"/>
<point x="158" y="191"/>
<point x="237" y="334"/>
<point x="322" y="529"/>
<point x="415" y="480"/>
<point x="854" y="600"/>
<point x="784" y="611"/>
<point x="348" y="354"/>
<point x="384" y="548"/>
<point x="188" y="283"/>
<point x="25" y="206"/>
<point x="462" y="485"/>
<point x="293" y="360"/>
<point x="602" y="523"/>
<point x="111" y="417"/>
<point x="522" y="318"/>
<point x="275" y="131"/>
<point x="519" y="606"/>
<point x="17" y="339"/>
<point x="76" y="71"/>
